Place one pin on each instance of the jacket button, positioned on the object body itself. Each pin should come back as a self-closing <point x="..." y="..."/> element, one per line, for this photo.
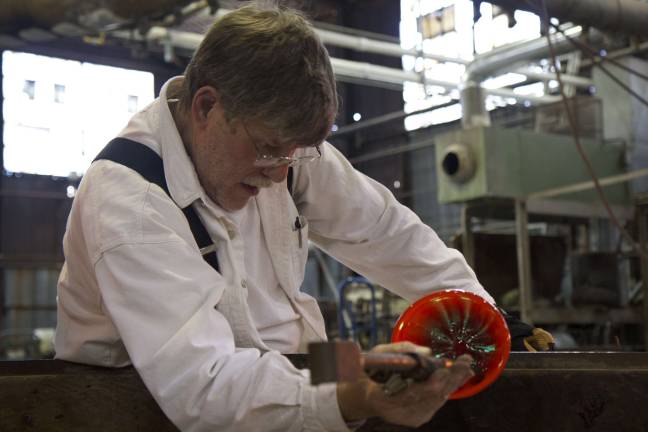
<point x="244" y="283"/>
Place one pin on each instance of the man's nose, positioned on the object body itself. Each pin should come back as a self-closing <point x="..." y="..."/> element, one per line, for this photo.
<point x="276" y="174"/>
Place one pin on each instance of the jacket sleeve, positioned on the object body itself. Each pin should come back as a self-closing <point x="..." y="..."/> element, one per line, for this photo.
<point x="359" y="222"/>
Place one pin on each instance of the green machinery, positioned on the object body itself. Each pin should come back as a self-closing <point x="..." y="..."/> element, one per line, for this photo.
<point x="491" y="162"/>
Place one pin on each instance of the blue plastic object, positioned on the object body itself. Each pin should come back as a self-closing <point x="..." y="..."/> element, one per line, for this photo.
<point x="349" y="324"/>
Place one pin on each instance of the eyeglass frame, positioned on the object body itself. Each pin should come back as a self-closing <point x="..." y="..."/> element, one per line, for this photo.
<point x="268" y="161"/>
<point x="264" y="160"/>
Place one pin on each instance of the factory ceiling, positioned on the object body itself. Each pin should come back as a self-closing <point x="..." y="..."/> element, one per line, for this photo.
<point x="126" y="23"/>
<point x="66" y="23"/>
<point x="42" y="20"/>
<point x="15" y="15"/>
<point x="88" y="16"/>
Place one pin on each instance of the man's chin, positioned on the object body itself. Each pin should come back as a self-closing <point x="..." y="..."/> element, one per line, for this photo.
<point x="239" y="197"/>
<point x="233" y="206"/>
<point x="230" y="204"/>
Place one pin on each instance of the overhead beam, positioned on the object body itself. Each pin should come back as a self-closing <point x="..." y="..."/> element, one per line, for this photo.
<point x="620" y="16"/>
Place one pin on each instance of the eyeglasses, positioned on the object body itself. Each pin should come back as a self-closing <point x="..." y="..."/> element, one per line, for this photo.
<point x="264" y="160"/>
<point x="268" y="161"/>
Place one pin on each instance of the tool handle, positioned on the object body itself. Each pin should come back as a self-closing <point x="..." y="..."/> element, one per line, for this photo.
<point x="381" y="366"/>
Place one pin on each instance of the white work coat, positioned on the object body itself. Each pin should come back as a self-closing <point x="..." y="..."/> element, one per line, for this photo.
<point x="135" y="289"/>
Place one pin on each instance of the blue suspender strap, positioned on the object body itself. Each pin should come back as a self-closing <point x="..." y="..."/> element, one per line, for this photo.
<point x="137" y="157"/>
<point x="205" y="243"/>
<point x="289" y="180"/>
<point x="148" y="164"/>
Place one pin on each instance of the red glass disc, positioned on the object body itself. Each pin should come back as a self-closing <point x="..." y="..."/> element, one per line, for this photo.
<point x="455" y="322"/>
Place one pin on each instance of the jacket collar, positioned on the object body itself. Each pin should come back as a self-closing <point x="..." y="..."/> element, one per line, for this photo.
<point x="179" y="170"/>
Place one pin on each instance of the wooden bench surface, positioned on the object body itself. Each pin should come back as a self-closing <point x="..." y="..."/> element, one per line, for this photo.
<point x="568" y="392"/>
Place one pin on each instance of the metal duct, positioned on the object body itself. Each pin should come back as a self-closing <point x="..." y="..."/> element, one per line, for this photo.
<point x="621" y="16"/>
<point x="458" y="163"/>
<point x="488" y="64"/>
<point x="360" y="43"/>
<point x="473" y="106"/>
<point x="474" y="112"/>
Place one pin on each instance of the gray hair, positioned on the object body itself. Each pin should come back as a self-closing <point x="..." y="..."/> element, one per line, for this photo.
<point x="267" y="64"/>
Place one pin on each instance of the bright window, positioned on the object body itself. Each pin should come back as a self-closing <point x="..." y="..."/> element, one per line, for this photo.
<point x="59" y="93"/>
<point x="59" y="113"/>
<point x="449" y="25"/>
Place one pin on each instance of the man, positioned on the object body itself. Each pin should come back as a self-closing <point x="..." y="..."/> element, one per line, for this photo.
<point x="206" y="334"/>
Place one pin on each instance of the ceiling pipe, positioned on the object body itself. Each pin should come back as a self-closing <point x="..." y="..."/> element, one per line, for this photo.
<point x="603" y="14"/>
<point x="364" y="44"/>
<point x="397" y="76"/>
<point x="577" y="81"/>
<point x="358" y="43"/>
<point x="494" y="61"/>
<point x="625" y="16"/>
<point x="621" y="16"/>
<point x="473" y="95"/>
<point x="346" y="68"/>
<point x="367" y="44"/>
<point x="385" y="118"/>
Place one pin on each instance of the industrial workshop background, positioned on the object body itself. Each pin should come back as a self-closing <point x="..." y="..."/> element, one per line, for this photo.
<point x="540" y="178"/>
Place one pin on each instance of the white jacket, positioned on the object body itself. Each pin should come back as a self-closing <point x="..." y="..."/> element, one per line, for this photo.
<point x="135" y="289"/>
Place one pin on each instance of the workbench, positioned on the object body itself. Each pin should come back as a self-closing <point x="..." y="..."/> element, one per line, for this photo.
<point x="556" y="391"/>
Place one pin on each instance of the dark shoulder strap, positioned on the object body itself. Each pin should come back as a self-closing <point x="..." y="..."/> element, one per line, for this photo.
<point x="137" y="157"/>
<point x="203" y="240"/>
<point x="149" y="165"/>
<point x="289" y="180"/>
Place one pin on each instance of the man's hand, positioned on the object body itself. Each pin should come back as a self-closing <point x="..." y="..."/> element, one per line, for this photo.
<point x="413" y="406"/>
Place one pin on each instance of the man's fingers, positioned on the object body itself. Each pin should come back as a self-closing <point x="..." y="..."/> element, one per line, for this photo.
<point x="428" y="392"/>
<point x="460" y="372"/>
<point x="430" y="395"/>
<point x="443" y="382"/>
<point x="464" y="359"/>
<point x="417" y="403"/>
<point x="438" y="386"/>
<point x="404" y="346"/>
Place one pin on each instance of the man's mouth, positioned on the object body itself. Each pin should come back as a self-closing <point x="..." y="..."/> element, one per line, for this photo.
<point x="253" y="184"/>
<point x="252" y="190"/>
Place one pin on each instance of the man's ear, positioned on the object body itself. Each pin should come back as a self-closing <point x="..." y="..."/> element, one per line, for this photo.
<point x="205" y="99"/>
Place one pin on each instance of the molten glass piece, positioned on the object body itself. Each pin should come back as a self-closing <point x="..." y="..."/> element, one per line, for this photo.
<point x="456" y="322"/>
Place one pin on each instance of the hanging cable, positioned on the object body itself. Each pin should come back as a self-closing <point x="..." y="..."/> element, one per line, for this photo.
<point x="577" y="141"/>
<point x="597" y="58"/>
<point x="598" y="61"/>
<point x="593" y="55"/>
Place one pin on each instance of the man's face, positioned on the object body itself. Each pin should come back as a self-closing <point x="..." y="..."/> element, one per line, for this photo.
<point x="224" y="154"/>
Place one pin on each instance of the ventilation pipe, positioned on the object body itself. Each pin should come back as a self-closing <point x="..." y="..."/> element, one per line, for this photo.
<point x="622" y="16"/>
<point x="473" y="106"/>
<point x="458" y="163"/>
